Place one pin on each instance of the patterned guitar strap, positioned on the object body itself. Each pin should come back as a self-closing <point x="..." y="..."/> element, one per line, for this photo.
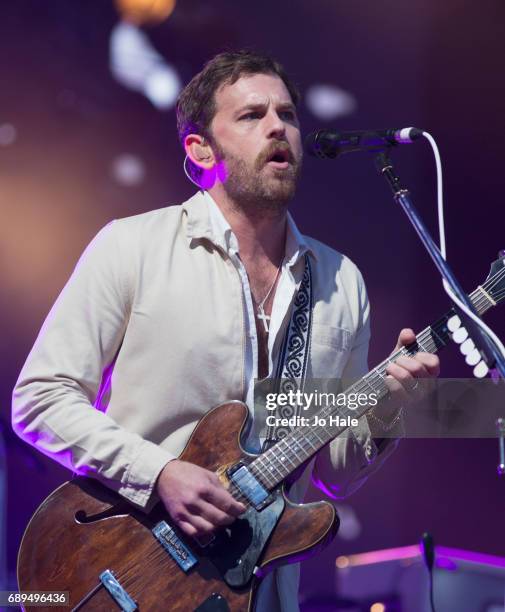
<point x="293" y="358"/>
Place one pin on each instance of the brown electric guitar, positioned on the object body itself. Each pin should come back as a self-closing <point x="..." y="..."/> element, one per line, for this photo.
<point x="88" y="541"/>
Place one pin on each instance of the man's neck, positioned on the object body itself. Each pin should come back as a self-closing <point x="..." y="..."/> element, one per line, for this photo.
<point x="261" y="236"/>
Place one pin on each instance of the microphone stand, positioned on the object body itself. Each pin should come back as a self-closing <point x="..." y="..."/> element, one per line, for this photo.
<point x="487" y="348"/>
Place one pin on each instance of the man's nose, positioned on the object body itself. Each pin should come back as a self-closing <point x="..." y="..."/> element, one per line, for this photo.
<point x="275" y="125"/>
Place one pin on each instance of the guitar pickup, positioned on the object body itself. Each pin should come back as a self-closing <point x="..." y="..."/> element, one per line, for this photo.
<point x="250" y="486"/>
<point x="175" y="547"/>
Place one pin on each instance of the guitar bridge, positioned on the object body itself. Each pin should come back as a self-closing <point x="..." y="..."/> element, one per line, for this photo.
<point x="175" y="547"/>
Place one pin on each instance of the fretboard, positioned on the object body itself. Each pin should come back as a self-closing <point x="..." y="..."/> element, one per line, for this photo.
<point x="290" y="452"/>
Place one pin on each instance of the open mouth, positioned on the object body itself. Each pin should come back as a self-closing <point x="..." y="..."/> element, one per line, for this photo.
<point x="279" y="159"/>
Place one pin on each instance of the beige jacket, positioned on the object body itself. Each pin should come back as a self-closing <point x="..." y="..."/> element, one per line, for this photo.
<point x="147" y="335"/>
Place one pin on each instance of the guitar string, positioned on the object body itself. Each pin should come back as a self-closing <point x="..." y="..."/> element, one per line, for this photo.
<point x="304" y="444"/>
<point x="151" y="560"/>
<point x="305" y="439"/>
<point x="424" y="338"/>
<point x="157" y="552"/>
<point x="490" y="281"/>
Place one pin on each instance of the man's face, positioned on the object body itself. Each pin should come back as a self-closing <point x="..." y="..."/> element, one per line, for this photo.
<point x="255" y="132"/>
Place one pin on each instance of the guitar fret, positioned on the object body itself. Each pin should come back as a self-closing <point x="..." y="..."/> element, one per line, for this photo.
<point x="438" y="338"/>
<point x="308" y="440"/>
<point x="365" y="380"/>
<point x="286" y="439"/>
<point x="423" y="347"/>
<point x="315" y="433"/>
<point x="299" y="445"/>
<point x="264" y="472"/>
<point x="486" y="295"/>
<point x="274" y="467"/>
<point x="286" y="454"/>
<point x="379" y="373"/>
<point x="282" y="465"/>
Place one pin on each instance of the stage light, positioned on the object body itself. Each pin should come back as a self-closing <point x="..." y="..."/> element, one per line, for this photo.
<point x="142" y="12"/>
<point x="342" y="562"/>
<point x="128" y="170"/>
<point x="8" y="134"/>
<point x="162" y="87"/>
<point x="327" y="102"/>
<point x="378" y="607"/>
<point x="137" y="65"/>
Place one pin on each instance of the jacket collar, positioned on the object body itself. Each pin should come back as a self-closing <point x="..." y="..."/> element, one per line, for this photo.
<point x="200" y="225"/>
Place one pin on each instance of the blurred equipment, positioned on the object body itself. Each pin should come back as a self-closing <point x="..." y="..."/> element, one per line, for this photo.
<point x="143" y="12"/>
<point x="429" y="558"/>
<point x="500" y="424"/>
<point x="463" y="580"/>
<point x="350" y="526"/>
<point x="8" y="134"/>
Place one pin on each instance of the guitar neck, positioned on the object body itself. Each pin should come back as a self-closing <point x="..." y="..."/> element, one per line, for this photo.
<point x="290" y="452"/>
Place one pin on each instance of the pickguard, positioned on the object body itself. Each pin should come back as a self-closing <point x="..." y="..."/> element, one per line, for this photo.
<point x="236" y="550"/>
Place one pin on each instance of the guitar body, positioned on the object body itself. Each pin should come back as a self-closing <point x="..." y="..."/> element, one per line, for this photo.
<point x="83" y="529"/>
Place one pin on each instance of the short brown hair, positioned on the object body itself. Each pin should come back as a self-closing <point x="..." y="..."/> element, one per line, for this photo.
<point x="196" y="105"/>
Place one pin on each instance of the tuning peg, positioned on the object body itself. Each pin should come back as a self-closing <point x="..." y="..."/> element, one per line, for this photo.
<point x="460" y="335"/>
<point x="480" y="370"/>
<point x="467" y="347"/>
<point x="453" y="323"/>
<point x="473" y="358"/>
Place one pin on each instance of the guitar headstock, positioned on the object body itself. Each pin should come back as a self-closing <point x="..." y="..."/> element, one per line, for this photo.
<point x="495" y="282"/>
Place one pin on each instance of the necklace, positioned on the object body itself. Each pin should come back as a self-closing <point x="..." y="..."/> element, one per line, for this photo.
<point x="261" y="306"/>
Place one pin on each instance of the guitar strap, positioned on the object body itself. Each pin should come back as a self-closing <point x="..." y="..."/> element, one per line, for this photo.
<point x="293" y="357"/>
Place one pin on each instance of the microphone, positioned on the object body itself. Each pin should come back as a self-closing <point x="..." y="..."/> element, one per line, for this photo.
<point x="329" y="144"/>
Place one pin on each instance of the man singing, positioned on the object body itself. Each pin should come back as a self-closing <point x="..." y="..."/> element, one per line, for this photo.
<point x="174" y="311"/>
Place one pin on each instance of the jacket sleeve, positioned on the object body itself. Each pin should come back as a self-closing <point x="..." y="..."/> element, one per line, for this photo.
<point x="53" y="400"/>
<point x="344" y="464"/>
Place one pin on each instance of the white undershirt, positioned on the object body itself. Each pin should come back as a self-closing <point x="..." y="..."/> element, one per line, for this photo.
<point x="296" y="246"/>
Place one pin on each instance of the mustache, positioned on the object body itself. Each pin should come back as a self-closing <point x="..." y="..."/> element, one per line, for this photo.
<point x="275" y="147"/>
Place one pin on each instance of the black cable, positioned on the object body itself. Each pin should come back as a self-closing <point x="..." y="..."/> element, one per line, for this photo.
<point x="429" y="559"/>
<point x="432" y="601"/>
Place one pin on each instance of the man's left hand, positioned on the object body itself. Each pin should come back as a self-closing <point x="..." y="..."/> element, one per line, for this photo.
<point x="403" y="374"/>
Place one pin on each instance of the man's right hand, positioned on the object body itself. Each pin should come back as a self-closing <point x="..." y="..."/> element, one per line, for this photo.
<point x="195" y="498"/>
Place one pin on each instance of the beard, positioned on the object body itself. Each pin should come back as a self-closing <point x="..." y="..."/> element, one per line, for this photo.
<point x="259" y="189"/>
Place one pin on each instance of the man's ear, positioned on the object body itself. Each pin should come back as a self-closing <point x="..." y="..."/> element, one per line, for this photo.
<point x="199" y="151"/>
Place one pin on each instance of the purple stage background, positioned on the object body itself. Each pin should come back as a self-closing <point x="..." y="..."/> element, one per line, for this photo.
<point x="436" y="65"/>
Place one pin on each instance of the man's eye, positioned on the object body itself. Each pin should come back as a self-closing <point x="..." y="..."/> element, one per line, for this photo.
<point x="252" y="115"/>
<point x="289" y="115"/>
